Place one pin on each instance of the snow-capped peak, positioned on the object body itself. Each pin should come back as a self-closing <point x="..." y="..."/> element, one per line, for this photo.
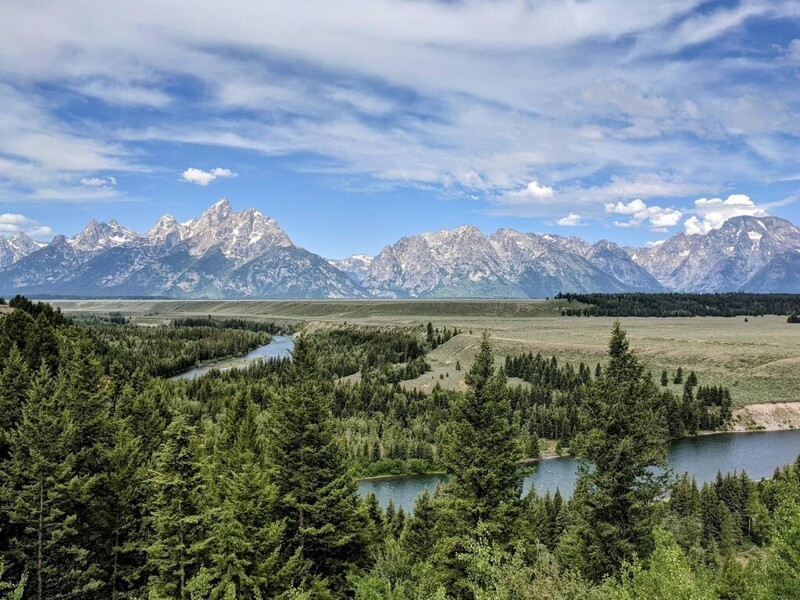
<point x="167" y="232"/>
<point x="16" y="247"/>
<point x="101" y="236"/>
<point x="239" y="236"/>
<point x="219" y="211"/>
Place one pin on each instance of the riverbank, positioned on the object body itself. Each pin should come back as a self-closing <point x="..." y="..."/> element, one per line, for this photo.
<point x="749" y="419"/>
<point x="769" y="416"/>
<point x="278" y="347"/>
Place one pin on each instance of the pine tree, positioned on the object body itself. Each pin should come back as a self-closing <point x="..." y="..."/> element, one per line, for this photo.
<point x="664" y="378"/>
<point x="83" y="392"/>
<point x="624" y="435"/>
<point x="125" y="481"/>
<point x="14" y="386"/>
<point x="481" y="454"/>
<point x="12" y="591"/>
<point x="42" y="344"/>
<point x="317" y="495"/>
<point x="418" y="537"/>
<point x="41" y="476"/>
<point x="244" y="531"/>
<point x="175" y="517"/>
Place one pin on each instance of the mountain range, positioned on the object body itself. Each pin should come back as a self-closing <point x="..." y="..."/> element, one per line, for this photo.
<point x="227" y="254"/>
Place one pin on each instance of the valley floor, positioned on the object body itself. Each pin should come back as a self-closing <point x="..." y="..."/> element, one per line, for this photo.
<point x="759" y="360"/>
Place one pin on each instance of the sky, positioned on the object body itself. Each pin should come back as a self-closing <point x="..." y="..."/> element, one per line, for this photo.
<point x="356" y="122"/>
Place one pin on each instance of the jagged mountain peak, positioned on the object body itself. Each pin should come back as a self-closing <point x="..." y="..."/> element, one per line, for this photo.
<point x="464" y="262"/>
<point x="608" y="244"/>
<point x="164" y="222"/>
<point x="462" y="231"/>
<point x="219" y="211"/>
<point x="167" y="232"/>
<point x="224" y="253"/>
<point x="97" y="236"/>
<point x="16" y="247"/>
<point x="724" y="259"/>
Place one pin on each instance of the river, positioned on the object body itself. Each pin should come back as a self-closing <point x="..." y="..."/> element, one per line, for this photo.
<point x="279" y="347"/>
<point x="758" y="453"/>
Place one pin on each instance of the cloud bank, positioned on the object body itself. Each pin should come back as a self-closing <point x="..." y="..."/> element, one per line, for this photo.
<point x="607" y="101"/>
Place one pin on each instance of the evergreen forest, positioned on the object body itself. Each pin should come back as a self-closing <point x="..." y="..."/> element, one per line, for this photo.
<point x="117" y="482"/>
<point x="730" y="304"/>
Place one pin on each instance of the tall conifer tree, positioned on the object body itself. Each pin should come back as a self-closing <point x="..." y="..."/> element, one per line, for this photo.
<point x="175" y="518"/>
<point x="44" y="483"/>
<point x="624" y="435"/>
<point x="317" y="495"/>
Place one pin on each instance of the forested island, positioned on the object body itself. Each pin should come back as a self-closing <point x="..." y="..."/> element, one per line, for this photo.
<point x="119" y="483"/>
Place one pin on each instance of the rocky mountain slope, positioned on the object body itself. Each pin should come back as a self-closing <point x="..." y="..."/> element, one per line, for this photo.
<point x="357" y="266"/>
<point x="227" y="254"/>
<point x="221" y="254"/>
<point x="16" y="247"/>
<point x="724" y="259"/>
<point x="463" y="262"/>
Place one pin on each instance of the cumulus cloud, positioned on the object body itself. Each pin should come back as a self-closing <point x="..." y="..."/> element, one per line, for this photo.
<point x="711" y="213"/>
<point x="571" y="220"/>
<point x="13" y="223"/>
<point x="105" y="182"/>
<point x="655" y="218"/>
<point x="533" y="191"/>
<point x="655" y="243"/>
<point x="631" y="208"/>
<point x="200" y="177"/>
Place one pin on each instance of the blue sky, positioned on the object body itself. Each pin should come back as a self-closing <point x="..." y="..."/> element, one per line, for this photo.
<point x="356" y="122"/>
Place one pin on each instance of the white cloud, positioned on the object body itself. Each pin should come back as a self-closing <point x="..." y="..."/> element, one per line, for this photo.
<point x="98" y="181"/>
<point x="571" y="220"/>
<point x="427" y="95"/>
<point x="711" y="213"/>
<point x="655" y="243"/>
<point x="533" y="191"/>
<point x="200" y="177"/>
<point x="42" y="155"/>
<point x="13" y="223"/>
<point x="631" y="208"/>
<point x="124" y="94"/>
<point x="655" y="217"/>
<point x="42" y="231"/>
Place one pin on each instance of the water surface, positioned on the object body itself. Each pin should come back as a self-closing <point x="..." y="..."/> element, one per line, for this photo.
<point x="758" y="453"/>
<point x="279" y="347"/>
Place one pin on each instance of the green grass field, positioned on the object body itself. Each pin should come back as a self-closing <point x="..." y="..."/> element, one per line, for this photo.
<point x="758" y="360"/>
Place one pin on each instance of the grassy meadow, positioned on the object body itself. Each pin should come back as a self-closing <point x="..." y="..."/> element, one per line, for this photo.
<point x="758" y="360"/>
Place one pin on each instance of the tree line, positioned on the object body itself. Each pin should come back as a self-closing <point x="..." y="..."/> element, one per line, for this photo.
<point x="679" y="305"/>
<point x="169" y="350"/>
